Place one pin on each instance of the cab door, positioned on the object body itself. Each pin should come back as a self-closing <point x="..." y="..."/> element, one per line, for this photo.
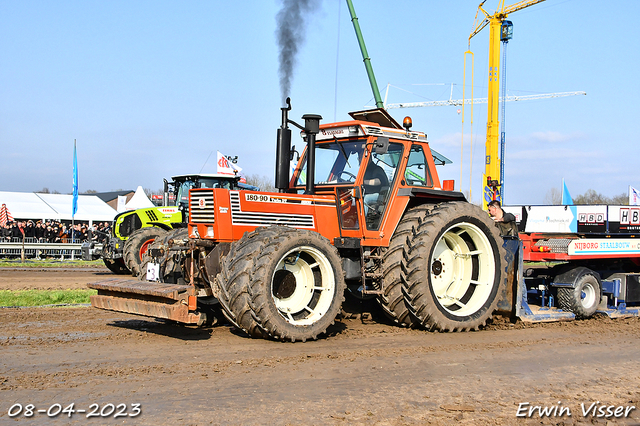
<point x="378" y="189"/>
<point x="350" y="211"/>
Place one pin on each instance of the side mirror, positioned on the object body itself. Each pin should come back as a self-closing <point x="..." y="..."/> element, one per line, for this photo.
<point x="382" y="145"/>
<point x="294" y="154"/>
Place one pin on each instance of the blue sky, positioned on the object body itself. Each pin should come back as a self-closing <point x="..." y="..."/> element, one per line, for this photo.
<point x="150" y="88"/>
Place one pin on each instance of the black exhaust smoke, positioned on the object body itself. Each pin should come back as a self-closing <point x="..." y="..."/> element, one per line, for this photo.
<point x="290" y="34"/>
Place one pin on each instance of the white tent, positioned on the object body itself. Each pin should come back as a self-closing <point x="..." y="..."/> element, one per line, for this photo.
<point x="139" y="200"/>
<point x="29" y="205"/>
<point x="90" y="207"/>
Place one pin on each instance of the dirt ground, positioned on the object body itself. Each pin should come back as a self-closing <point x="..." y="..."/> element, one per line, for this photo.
<point x="363" y="373"/>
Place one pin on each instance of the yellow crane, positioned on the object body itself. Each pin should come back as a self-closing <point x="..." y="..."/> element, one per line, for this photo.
<point x="500" y="30"/>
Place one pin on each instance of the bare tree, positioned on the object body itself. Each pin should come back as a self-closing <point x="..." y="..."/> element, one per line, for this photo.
<point x="263" y="182"/>
<point x="594" y="197"/>
<point x="149" y="192"/>
<point x="90" y="191"/>
<point x="553" y="197"/>
<point x="591" y="197"/>
<point x="620" y="199"/>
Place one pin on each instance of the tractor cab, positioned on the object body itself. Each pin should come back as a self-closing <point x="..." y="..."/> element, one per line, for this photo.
<point x="183" y="183"/>
<point x="372" y="167"/>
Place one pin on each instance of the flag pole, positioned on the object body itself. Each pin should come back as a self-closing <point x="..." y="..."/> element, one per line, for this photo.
<point x="74" y="206"/>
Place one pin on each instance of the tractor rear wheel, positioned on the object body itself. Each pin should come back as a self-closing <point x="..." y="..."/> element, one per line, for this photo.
<point x="392" y="299"/>
<point x="137" y="245"/>
<point x="583" y="300"/>
<point x="116" y="266"/>
<point x="455" y="267"/>
<point x="292" y="280"/>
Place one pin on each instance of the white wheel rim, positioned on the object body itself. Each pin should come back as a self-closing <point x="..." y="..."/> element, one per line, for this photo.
<point x="462" y="269"/>
<point x="303" y="285"/>
<point x="588" y="295"/>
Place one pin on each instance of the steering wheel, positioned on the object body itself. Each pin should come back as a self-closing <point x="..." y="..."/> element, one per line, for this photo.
<point x="344" y="172"/>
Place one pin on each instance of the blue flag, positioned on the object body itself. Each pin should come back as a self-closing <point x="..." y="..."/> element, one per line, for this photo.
<point x="566" y="197"/>
<point x="75" y="180"/>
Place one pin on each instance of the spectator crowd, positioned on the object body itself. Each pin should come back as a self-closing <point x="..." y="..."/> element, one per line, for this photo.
<point x="54" y="231"/>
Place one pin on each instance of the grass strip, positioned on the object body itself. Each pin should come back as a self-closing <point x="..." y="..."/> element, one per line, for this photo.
<point x="51" y="263"/>
<point x="44" y="297"/>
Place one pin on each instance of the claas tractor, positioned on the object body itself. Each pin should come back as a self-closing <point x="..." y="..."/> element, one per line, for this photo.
<point x="134" y="231"/>
<point x="363" y="214"/>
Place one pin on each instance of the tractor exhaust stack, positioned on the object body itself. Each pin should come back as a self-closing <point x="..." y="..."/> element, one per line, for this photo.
<point x="283" y="150"/>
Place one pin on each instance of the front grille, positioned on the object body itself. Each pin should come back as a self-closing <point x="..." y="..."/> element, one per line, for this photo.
<point x="239" y="217"/>
<point x="201" y="207"/>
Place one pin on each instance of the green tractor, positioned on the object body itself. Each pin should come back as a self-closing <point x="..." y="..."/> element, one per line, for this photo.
<point x="134" y="231"/>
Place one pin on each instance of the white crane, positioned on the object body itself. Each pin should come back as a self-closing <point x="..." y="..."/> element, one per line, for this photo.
<point x="458" y="102"/>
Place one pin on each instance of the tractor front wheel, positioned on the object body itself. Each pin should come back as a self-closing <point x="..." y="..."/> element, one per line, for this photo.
<point x="137" y="245"/>
<point x="292" y="283"/>
<point x="116" y="266"/>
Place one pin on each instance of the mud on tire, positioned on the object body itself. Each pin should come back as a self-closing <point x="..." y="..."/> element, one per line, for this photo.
<point x="136" y="246"/>
<point x="392" y="300"/>
<point x="290" y="280"/>
<point x="171" y="264"/>
<point x="233" y="281"/>
<point x="453" y="268"/>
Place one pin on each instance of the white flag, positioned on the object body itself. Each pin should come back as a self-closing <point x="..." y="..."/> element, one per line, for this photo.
<point x="122" y="201"/>
<point x="226" y="167"/>
<point x="634" y="196"/>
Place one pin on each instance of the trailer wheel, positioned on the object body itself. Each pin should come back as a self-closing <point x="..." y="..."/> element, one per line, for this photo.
<point x="392" y="300"/>
<point x="296" y="283"/>
<point x="137" y="245"/>
<point x="116" y="266"/>
<point x="455" y="265"/>
<point x="583" y="300"/>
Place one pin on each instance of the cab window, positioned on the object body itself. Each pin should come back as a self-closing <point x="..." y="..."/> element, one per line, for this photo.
<point x="336" y="163"/>
<point x="417" y="172"/>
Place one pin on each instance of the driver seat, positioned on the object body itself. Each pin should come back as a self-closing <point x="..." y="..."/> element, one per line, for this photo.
<point x="376" y="187"/>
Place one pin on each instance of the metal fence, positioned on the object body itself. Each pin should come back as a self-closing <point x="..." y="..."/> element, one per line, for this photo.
<point x="13" y="247"/>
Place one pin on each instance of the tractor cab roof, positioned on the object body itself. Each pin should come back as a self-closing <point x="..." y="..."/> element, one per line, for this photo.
<point x="196" y="176"/>
<point x="375" y="122"/>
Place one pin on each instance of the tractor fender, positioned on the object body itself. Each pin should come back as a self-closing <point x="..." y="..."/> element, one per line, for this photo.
<point x="570" y="277"/>
<point x="429" y="196"/>
<point x="160" y="225"/>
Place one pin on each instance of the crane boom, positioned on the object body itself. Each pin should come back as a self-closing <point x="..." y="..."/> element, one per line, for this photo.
<point x="520" y="5"/>
<point x="500" y="14"/>
<point x="459" y="102"/>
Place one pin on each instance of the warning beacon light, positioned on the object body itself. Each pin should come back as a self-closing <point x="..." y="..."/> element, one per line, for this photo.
<point x="407" y="123"/>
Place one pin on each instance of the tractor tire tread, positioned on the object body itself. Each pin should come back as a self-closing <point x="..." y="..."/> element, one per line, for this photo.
<point x="134" y="243"/>
<point x="420" y="301"/>
<point x="272" y="239"/>
<point x="392" y="300"/>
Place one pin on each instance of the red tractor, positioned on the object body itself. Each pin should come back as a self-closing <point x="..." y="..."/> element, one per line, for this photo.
<point x="364" y="213"/>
